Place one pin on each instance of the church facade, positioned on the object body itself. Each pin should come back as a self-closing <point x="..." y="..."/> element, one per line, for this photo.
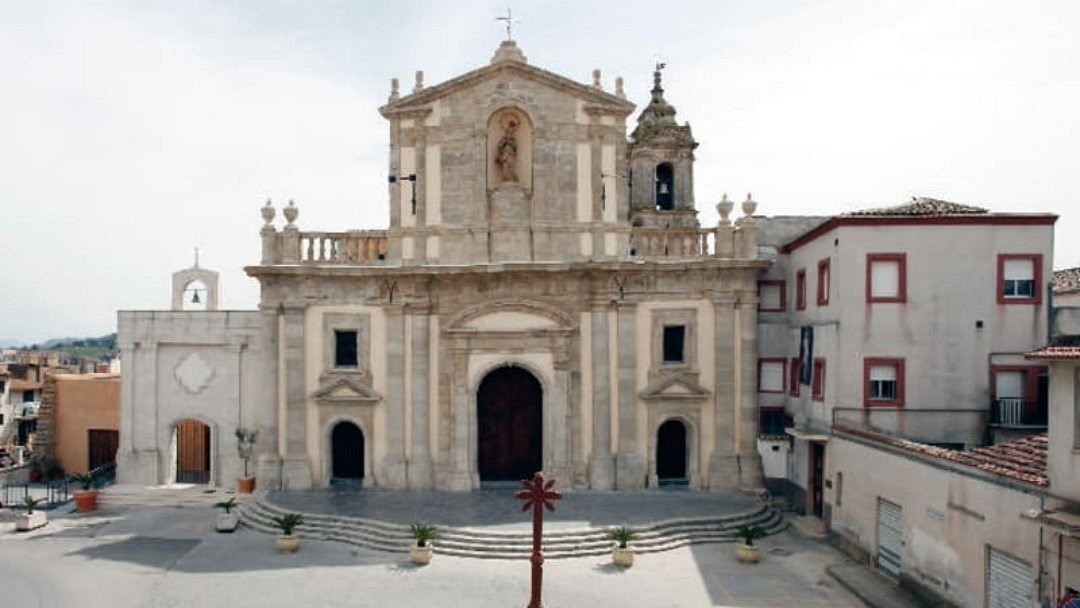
<point x="544" y="298"/>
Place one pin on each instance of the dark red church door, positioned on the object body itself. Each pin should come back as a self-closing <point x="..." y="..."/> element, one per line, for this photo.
<point x="509" y="423"/>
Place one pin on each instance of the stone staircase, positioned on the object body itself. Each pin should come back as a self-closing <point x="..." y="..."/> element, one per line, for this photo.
<point x="515" y="544"/>
<point x="179" y="495"/>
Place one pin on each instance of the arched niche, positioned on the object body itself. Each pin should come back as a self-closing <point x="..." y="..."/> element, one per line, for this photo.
<point x="509" y="145"/>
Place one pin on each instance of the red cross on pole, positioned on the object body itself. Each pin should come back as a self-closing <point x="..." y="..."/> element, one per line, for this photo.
<point x="537" y="493"/>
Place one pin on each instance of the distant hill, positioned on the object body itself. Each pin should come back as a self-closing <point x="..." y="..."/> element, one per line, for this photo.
<point x="101" y="347"/>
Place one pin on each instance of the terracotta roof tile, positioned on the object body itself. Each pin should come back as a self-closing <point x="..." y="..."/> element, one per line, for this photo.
<point x="1022" y="460"/>
<point x="1066" y="280"/>
<point x="924" y="206"/>
<point x="1055" y="352"/>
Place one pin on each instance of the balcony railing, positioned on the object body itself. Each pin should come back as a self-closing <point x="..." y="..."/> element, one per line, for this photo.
<point x="1017" y="413"/>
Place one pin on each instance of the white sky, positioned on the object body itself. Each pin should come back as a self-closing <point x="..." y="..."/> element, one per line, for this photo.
<point x="136" y="131"/>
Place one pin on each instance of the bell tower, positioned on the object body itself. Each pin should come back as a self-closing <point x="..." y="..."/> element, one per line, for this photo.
<point x="195" y="288"/>
<point x="661" y="158"/>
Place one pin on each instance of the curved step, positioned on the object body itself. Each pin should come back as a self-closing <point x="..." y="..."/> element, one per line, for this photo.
<point x="470" y="542"/>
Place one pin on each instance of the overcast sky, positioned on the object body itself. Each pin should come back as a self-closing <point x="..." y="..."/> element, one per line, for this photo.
<point x="136" y="131"/>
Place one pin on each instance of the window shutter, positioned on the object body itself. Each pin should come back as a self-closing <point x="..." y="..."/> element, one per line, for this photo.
<point x="772" y="376"/>
<point x="1019" y="270"/>
<point x="885" y="279"/>
<point x="882" y="373"/>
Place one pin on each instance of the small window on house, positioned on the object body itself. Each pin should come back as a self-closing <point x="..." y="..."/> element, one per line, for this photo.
<point x="674" y="342"/>
<point x="800" y="289"/>
<point x="886" y="277"/>
<point x="771" y="296"/>
<point x="28" y="396"/>
<point x="793" y="377"/>
<point x="839" y="488"/>
<point x="1018" y="278"/>
<point x="665" y="186"/>
<point x="3" y="385"/>
<point x="818" y="385"/>
<point x="771" y="375"/>
<point x="884" y="382"/>
<point x="345" y="348"/>
<point x="823" y="278"/>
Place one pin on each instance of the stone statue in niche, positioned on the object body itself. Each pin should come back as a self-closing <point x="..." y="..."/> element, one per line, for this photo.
<point x="509" y="148"/>
<point x="506" y="152"/>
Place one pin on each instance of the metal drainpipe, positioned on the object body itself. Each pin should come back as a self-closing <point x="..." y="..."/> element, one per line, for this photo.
<point x="1042" y="509"/>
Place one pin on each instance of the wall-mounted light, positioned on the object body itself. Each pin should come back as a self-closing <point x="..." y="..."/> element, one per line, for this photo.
<point x="411" y="178"/>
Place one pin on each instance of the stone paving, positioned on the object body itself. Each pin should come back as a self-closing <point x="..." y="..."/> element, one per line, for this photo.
<point x="170" y="556"/>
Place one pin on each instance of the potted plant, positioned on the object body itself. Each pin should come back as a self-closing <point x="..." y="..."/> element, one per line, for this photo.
<point x="245" y="446"/>
<point x="420" y="553"/>
<point x="287" y="542"/>
<point x="31" y="520"/>
<point x="621" y="554"/>
<point x="86" y="497"/>
<point x="227" y="521"/>
<point x="747" y="552"/>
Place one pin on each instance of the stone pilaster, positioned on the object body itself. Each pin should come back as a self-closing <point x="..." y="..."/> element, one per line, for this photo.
<point x="601" y="462"/>
<point x="723" y="466"/>
<point x="296" y="468"/>
<point x="750" y="469"/>
<point x="393" y="466"/>
<point x="268" y="456"/>
<point x="629" y="465"/>
<point x="461" y="472"/>
<point x="419" y="470"/>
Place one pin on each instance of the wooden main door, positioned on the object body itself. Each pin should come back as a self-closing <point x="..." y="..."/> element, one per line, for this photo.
<point x="347" y="452"/>
<point x="192" y="452"/>
<point x="509" y="421"/>
<point x="671" y="453"/>
<point x="102" y="444"/>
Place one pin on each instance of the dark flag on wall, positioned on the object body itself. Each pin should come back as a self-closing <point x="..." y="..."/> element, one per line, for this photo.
<point x="806" y="355"/>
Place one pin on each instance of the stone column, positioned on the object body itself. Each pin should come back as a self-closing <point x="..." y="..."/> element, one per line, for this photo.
<point x="629" y="465"/>
<point x="268" y="462"/>
<point x="296" y="468"/>
<point x="393" y="467"/>
<point x="723" y="468"/>
<point x="461" y="471"/>
<point x="601" y="463"/>
<point x="557" y="461"/>
<point x="750" y="469"/>
<point x="419" y="470"/>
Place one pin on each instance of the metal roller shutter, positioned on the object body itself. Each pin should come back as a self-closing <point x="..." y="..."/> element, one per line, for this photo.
<point x="890" y="535"/>
<point x="1008" y="581"/>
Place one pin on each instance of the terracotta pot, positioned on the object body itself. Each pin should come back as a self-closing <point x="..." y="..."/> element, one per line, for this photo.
<point x="85" y="500"/>
<point x="288" y="543"/>
<point x="226" y="522"/>
<point x="747" y="554"/>
<point x="420" y="555"/>
<point x="245" y="485"/>
<point x="622" y="556"/>
<point x="30" y="521"/>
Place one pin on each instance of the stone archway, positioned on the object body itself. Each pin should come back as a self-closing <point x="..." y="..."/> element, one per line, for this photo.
<point x="346" y="454"/>
<point x="509" y="422"/>
<point x="671" y="453"/>
<point x="192" y="441"/>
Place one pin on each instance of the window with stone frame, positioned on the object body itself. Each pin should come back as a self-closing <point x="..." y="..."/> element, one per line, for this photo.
<point x="674" y="343"/>
<point x="674" y="338"/>
<point x="345" y="348"/>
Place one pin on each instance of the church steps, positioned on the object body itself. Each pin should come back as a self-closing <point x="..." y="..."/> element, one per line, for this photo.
<point x="469" y="542"/>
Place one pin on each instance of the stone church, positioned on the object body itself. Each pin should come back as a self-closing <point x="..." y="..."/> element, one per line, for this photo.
<point x="544" y="298"/>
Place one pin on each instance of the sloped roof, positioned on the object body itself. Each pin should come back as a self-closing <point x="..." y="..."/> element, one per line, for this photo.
<point x="1055" y="353"/>
<point x="1021" y="460"/>
<point x="1066" y="280"/>
<point x="924" y="206"/>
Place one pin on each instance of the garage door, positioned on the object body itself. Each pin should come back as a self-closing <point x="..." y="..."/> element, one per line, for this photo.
<point x="1008" y="581"/>
<point x="890" y="533"/>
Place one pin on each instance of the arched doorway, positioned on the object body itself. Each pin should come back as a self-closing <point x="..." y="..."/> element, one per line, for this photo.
<point x="192" y="441"/>
<point x="509" y="422"/>
<point x="346" y="455"/>
<point x="671" y="454"/>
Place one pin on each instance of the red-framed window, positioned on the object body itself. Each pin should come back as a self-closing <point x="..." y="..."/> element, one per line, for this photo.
<point x="824" y="281"/>
<point x="1018" y="277"/>
<point x="886" y="277"/>
<point x="793" y="377"/>
<point x="771" y="374"/>
<point x="800" y="289"/>
<point x="883" y="382"/>
<point x="818" y="387"/>
<point x="772" y="295"/>
<point x="1019" y="395"/>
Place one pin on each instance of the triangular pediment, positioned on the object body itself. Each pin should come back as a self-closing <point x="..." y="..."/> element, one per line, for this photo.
<point x="675" y="386"/>
<point x="592" y="95"/>
<point x="345" y="390"/>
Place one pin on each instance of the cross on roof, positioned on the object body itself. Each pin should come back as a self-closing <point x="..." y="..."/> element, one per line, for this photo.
<point x="510" y="21"/>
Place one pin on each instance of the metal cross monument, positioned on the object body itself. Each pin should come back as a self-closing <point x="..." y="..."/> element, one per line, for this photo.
<point x="510" y="21"/>
<point x="537" y="494"/>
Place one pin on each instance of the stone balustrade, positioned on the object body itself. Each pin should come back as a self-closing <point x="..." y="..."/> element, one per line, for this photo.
<point x="724" y="241"/>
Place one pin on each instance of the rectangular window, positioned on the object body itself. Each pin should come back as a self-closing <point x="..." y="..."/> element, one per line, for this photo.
<point x="674" y="342"/>
<point x="771" y="421"/>
<point x="823" y="279"/>
<point x="886" y="277"/>
<point x="1018" y="278"/>
<point x="818" y="386"/>
<point x="800" y="289"/>
<point x="883" y="382"/>
<point x="28" y="396"/>
<point x="2" y="386"/>
<point x="772" y="296"/>
<point x="771" y="375"/>
<point x="345" y="348"/>
<point x="793" y="377"/>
